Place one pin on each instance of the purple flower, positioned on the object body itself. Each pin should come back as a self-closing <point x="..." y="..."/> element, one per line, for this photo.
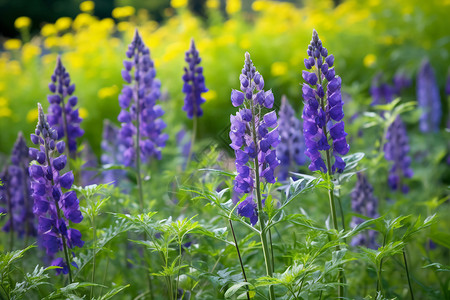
<point x="364" y="203"/>
<point x="112" y="153"/>
<point x="194" y="83"/>
<point x="428" y="98"/>
<point x="15" y="192"/>
<point x="254" y="137"/>
<point x="382" y="92"/>
<point x="54" y="206"/>
<point x="90" y="162"/>
<point x="61" y="113"/>
<point x="447" y="84"/>
<point x="396" y="150"/>
<point x="323" y="111"/>
<point x="291" y="149"/>
<point x="140" y="116"/>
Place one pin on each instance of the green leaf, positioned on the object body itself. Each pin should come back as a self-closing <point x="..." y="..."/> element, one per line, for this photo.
<point x="111" y="293"/>
<point x="235" y="287"/>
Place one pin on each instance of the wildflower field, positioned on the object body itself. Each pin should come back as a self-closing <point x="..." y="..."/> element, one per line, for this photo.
<point x="265" y="150"/>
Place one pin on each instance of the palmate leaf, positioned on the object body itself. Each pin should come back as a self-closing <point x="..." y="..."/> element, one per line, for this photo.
<point x="112" y="292"/>
<point x="32" y="281"/>
<point x="418" y="226"/>
<point x="68" y="291"/>
<point x="235" y="287"/>
<point x="8" y="258"/>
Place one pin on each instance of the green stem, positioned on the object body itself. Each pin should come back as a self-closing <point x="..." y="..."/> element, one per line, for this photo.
<point x="239" y="255"/>
<point x="193" y="136"/>
<point x="179" y="266"/>
<point x="407" y="273"/>
<point x="94" y="231"/>
<point x="104" y="275"/>
<point x="379" y="284"/>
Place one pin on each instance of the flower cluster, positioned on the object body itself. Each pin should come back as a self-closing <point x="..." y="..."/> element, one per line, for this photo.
<point x="15" y="192"/>
<point x="428" y="99"/>
<point x="140" y="116"/>
<point x="53" y="207"/>
<point x="112" y="153"/>
<point x="364" y="203"/>
<point x="194" y="83"/>
<point x="323" y="111"/>
<point x="381" y="91"/>
<point x="252" y="138"/>
<point x="61" y="115"/>
<point x="292" y="143"/>
<point x="396" y="150"/>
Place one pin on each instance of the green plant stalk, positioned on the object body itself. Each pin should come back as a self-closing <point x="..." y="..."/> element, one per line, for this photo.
<point x="94" y="232"/>
<point x="11" y="223"/>
<point x="193" y="136"/>
<point x="379" y="284"/>
<point x="179" y="266"/>
<point x="104" y="275"/>
<point x="263" y="234"/>
<point x="66" y="253"/>
<point x="239" y="255"/>
<point x="407" y="273"/>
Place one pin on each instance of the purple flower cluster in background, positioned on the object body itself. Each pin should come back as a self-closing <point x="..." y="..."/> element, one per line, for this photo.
<point x="323" y="111"/>
<point x="61" y="115"/>
<point x="140" y="116"/>
<point x="15" y="192"/>
<point x="428" y="98"/>
<point x="112" y="153"/>
<point x="396" y="150"/>
<point x="53" y="207"/>
<point x="381" y="91"/>
<point x="364" y="203"/>
<point x="194" y="83"/>
<point x="291" y="149"/>
<point x="254" y="137"/>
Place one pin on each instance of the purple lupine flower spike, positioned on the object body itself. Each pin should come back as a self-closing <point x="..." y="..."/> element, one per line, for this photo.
<point x="112" y="153"/>
<point x="364" y="203"/>
<point x="62" y="114"/>
<point x="396" y="150"/>
<point x="16" y="191"/>
<point x="194" y="83"/>
<point x="54" y="204"/>
<point x="291" y="149"/>
<point x="323" y="111"/>
<point x="428" y="99"/>
<point x="382" y="92"/>
<point x="253" y="135"/>
<point x="447" y="84"/>
<point x="138" y="103"/>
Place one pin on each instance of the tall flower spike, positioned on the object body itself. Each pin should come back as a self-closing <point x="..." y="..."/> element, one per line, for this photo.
<point x="364" y="203"/>
<point x="253" y="135"/>
<point x="112" y="153"/>
<point x="396" y="150"/>
<point x="62" y="114"/>
<point x="194" y="83"/>
<point x="16" y="191"/>
<point x="140" y="116"/>
<point x="323" y="111"/>
<point x="291" y="149"/>
<point x="428" y="98"/>
<point x="54" y="205"/>
<point x="380" y="91"/>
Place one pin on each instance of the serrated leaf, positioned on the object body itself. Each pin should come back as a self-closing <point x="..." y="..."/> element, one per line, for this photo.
<point x="234" y="288"/>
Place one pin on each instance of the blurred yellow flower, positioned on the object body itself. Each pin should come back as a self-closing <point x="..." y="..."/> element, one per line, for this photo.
<point x="29" y="51"/>
<point x="87" y="6"/>
<point x="259" y="5"/>
<point x="3" y="102"/>
<point x="123" y="12"/>
<point x="49" y="29"/>
<point x="12" y="44"/>
<point x="32" y="115"/>
<point x="233" y="6"/>
<point x="83" y="112"/>
<point x="212" y="4"/>
<point x="2" y="86"/>
<point x="5" y="112"/>
<point x="82" y="20"/>
<point x="178" y="3"/>
<point x="369" y="60"/>
<point x="278" y="68"/>
<point x="245" y="43"/>
<point x="108" y="91"/>
<point x="51" y="41"/>
<point x="210" y="95"/>
<point x="22" y="22"/>
<point x="63" y="23"/>
<point x="123" y="26"/>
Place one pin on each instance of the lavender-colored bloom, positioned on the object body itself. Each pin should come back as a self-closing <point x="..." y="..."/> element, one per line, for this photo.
<point x="428" y="99"/>
<point x="381" y="92"/>
<point x="396" y="150"/>
<point x="254" y="137"/>
<point x="61" y="113"/>
<point x="54" y="206"/>
<point x="112" y="153"/>
<point x="323" y="111"/>
<point x="88" y="177"/>
<point x="447" y="84"/>
<point x="194" y="83"/>
<point x="291" y="149"/>
<point x="364" y="203"/>
<point x="140" y="116"/>
<point x="401" y="81"/>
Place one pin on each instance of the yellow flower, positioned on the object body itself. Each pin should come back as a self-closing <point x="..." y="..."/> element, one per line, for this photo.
<point x="3" y="102"/>
<point x="51" y="41"/>
<point x="233" y="6"/>
<point x="210" y="95"/>
<point x="29" y="51"/>
<point x="5" y="112"/>
<point x="22" y="22"/>
<point x="2" y="86"/>
<point x="32" y="115"/>
<point x="83" y="112"/>
<point x="245" y="43"/>
<point x="259" y="5"/>
<point x="49" y="29"/>
<point x="87" y="6"/>
<point x="107" y="92"/>
<point x="82" y="20"/>
<point x="12" y="44"/>
<point x="123" y="12"/>
<point x="278" y="68"/>
<point x="369" y="60"/>
<point x="178" y="3"/>
<point x="123" y="26"/>
<point x="212" y="4"/>
<point x="63" y="23"/>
